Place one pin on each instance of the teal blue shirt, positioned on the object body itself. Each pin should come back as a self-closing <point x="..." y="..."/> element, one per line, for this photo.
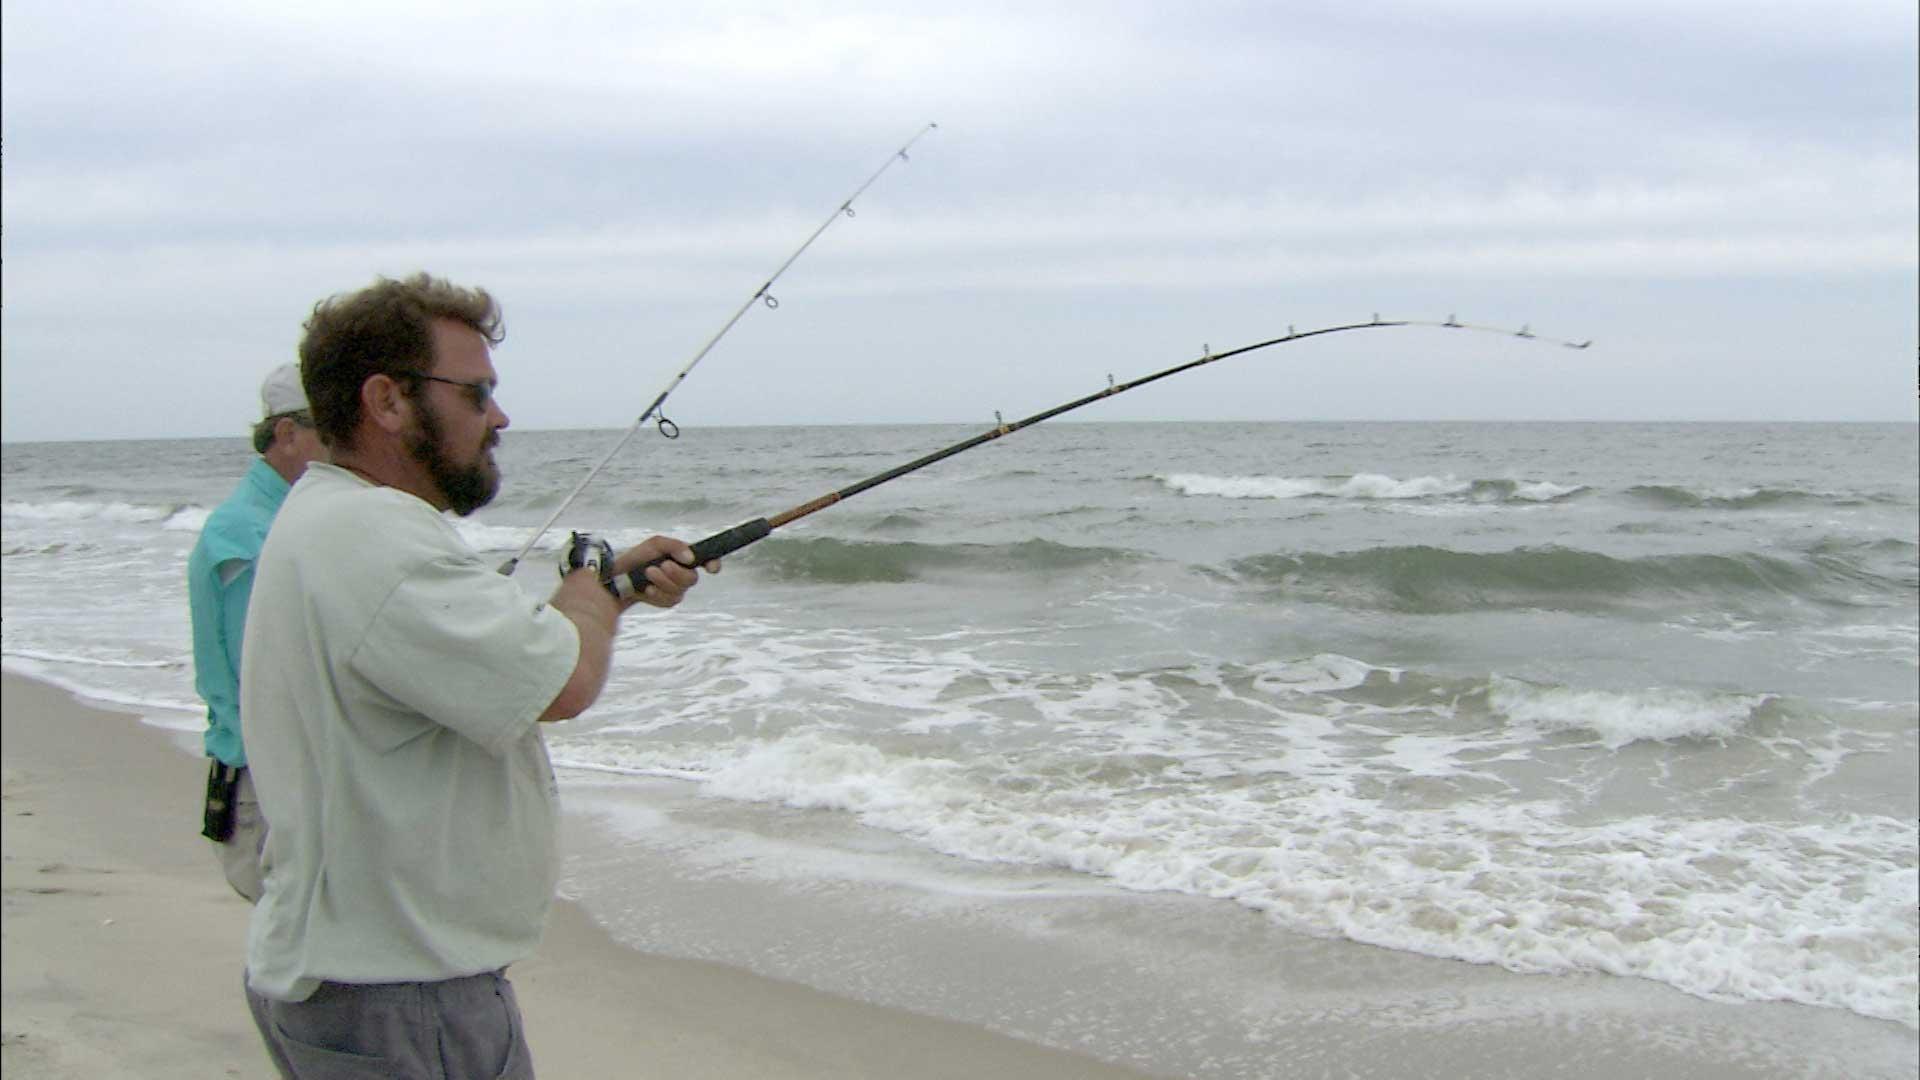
<point x="219" y="583"/>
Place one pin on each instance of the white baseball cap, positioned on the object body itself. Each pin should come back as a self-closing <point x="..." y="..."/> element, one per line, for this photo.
<point x="281" y="393"/>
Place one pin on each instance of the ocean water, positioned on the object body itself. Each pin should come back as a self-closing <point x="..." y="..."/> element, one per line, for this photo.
<point x="1638" y="701"/>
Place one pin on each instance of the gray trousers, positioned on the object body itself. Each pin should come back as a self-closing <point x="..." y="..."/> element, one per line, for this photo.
<point x="459" y="1029"/>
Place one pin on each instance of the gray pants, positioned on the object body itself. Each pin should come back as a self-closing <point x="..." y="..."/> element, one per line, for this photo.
<point x="459" y="1029"/>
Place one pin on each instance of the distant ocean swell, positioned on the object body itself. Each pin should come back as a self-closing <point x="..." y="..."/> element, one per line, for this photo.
<point x="1407" y="579"/>
<point x="180" y="517"/>
<point x="1837" y="574"/>
<point x="1369" y="486"/>
<point x="1423" y="580"/>
<point x="831" y="561"/>
<point x="1378" y="487"/>
<point x="1358" y="486"/>
<point x="1751" y="499"/>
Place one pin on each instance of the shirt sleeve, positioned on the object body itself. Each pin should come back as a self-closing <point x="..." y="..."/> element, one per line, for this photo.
<point x="236" y="577"/>
<point x="468" y="649"/>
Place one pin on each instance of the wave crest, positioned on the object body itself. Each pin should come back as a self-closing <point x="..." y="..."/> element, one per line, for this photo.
<point x="1425" y="580"/>
<point x="1368" y="487"/>
<point x="1672" y="497"/>
<point x="854" y="562"/>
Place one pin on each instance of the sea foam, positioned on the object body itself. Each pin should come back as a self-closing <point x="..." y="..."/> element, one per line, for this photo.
<point x="1722" y="908"/>
<point x="1619" y="718"/>
<point x="1361" y="486"/>
<point x="87" y="511"/>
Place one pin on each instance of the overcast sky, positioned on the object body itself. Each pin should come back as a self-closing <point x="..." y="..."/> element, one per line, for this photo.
<point x="1722" y="195"/>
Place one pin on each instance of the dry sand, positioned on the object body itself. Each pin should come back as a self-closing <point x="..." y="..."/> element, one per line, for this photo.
<point x="122" y="947"/>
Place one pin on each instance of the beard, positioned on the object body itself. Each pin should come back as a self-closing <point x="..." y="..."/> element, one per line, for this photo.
<point x="466" y="487"/>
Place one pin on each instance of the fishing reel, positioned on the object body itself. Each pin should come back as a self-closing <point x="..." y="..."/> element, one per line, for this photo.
<point x="586" y="551"/>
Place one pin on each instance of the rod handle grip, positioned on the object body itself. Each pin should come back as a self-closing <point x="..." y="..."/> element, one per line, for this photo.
<point x="725" y="542"/>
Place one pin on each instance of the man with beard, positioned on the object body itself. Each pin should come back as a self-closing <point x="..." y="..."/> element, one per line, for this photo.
<point x="392" y="689"/>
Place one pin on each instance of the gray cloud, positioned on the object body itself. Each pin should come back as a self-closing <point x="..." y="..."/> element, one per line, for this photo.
<point x="1709" y="189"/>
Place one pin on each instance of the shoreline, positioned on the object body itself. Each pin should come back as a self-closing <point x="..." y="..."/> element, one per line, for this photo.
<point x="122" y="949"/>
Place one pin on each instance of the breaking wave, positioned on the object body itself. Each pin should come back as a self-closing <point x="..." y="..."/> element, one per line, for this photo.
<point x="1369" y="486"/>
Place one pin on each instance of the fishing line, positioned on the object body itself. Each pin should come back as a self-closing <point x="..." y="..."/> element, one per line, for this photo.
<point x="731" y="540"/>
<point x="654" y="411"/>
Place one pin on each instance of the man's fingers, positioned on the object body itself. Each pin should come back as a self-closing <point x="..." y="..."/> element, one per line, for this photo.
<point x="672" y="576"/>
<point x="667" y="566"/>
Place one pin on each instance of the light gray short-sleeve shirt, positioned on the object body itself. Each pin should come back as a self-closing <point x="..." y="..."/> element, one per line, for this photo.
<point x="391" y="693"/>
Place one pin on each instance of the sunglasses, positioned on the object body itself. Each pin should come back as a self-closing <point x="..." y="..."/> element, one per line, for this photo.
<point x="479" y="392"/>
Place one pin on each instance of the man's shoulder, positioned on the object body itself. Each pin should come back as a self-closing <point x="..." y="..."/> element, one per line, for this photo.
<point x="341" y="547"/>
<point x="330" y="507"/>
<point x="234" y="529"/>
<point x="339" y="491"/>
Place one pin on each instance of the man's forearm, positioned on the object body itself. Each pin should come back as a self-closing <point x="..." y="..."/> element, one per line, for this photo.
<point x="595" y="612"/>
<point x="595" y="615"/>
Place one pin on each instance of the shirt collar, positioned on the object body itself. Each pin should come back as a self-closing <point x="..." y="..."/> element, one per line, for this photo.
<point x="267" y="482"/>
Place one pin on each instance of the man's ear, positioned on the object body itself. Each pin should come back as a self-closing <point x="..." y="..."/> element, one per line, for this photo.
<point x="386" y="404"/>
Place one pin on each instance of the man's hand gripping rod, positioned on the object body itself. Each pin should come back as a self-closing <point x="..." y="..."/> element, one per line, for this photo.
<point x="588" y="552"/>
<point x="667" y="427"/>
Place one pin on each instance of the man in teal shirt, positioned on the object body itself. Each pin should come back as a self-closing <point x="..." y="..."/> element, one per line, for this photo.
<point x="219" y="583"/>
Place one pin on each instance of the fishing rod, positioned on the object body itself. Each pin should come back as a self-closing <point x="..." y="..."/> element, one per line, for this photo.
<point x="731" y="540"/>
<point x="667" y="427"/>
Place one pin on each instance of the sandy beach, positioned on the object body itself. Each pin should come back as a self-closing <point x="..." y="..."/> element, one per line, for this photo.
<point x="123" y="947"/>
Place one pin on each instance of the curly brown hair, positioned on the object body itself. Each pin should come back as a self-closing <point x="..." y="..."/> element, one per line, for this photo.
<point x="384" y="329"/>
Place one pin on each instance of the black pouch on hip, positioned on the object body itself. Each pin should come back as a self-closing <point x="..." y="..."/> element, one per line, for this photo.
<point x="223" y="784"/>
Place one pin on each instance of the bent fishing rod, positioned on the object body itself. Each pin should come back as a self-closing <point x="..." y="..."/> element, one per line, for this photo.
<point x="730" y="540"/>
<point x="654" y="411"/>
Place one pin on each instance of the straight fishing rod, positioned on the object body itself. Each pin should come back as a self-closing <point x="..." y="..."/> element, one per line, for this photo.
<point x="667" y="427"/>
<point x="731" y="540"/>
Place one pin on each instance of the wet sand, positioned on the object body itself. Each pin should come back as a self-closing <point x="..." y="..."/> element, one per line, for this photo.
<point x="122" y="949"/>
